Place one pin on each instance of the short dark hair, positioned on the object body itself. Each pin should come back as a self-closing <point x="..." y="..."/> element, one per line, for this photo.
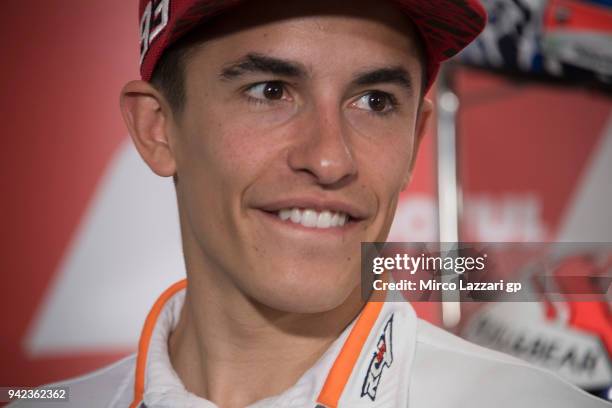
<point x="169" y="73"/>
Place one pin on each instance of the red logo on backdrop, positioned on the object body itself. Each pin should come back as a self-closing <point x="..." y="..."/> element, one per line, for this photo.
<point x="577" y="275"/>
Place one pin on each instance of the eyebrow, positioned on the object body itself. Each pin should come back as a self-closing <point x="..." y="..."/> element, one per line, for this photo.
<point x="393" y="75"/>
<point x="258" y="63"/>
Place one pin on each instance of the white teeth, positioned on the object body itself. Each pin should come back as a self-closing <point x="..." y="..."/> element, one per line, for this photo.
<point x="342" y="219"/>
<point x="324" y="220"/>
<point x="309" y="218"/>
<point x="296" y="216"/>
<point x="313" y="219"/>
<point x="285" y="214"/>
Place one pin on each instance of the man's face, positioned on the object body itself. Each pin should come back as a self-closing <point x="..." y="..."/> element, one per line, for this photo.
<point x="294" y="143"/>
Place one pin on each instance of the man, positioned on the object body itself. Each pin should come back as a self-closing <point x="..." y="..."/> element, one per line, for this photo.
<point x="290" y="129"/>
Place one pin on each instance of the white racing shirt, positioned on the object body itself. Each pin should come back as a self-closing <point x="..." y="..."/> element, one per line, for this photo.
<point x="386" y="358"/>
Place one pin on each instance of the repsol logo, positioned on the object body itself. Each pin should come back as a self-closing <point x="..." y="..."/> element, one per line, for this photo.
<point x="153" y="21"/>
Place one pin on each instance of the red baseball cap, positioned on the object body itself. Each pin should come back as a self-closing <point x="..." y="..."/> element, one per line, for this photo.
<point x="446" y="26"/>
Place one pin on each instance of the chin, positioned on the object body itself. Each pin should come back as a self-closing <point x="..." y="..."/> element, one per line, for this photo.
<point x="305" y="292"/>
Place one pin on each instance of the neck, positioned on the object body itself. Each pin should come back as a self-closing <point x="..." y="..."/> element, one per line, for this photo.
<point x="224" y="338"/>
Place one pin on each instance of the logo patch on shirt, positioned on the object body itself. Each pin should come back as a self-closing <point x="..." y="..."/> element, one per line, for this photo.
<point x="382" y="357"/>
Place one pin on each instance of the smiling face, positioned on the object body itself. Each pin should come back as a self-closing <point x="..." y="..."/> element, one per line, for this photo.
<point x="295" y="140"/>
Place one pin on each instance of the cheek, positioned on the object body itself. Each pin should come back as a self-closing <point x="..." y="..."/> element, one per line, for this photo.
<point x="386" y="144"/>
<point x="385" y="161"/>
<point x="385" y="165"/>
<point x="219" y="149"/>
<point x="218" y="162"/>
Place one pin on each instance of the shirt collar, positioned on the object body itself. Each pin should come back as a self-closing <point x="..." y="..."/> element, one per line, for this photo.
<point x="364" y="359"/>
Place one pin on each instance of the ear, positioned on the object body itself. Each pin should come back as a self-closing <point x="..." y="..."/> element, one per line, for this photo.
<point x="424" y="116"/>
<point x="147" y="116"/>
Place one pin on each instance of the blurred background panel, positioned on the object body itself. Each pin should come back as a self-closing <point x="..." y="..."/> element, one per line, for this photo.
<point x="535" y="160"/>
<point x="535" y="137"/>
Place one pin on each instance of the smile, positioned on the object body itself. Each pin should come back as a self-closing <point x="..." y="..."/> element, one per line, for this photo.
<point x="311" y="218"/>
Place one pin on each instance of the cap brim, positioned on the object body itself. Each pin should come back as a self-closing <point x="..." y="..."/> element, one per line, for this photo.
<point x="446" y="27"/>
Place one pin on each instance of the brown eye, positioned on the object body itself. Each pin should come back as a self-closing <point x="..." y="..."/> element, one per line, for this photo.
<point x="376" y="102"/>
<point x="273" y="90"/>
<point x="268" y="91"/>
<point x="379" y="101"/>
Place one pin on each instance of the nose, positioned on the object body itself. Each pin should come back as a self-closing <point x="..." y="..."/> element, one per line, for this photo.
<point x="324" y="149"/>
